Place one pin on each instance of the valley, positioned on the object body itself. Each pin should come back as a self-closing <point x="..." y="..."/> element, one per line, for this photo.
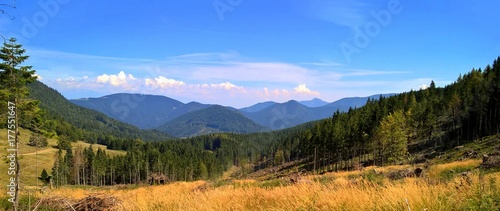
<point x="165" y="114"/>
<point x="249" y="105"/>
<point x="351" y="153"/>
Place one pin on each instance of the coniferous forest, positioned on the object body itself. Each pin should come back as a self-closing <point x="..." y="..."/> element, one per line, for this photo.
<point x="249" y="105"/>
<point x="405" y="128"/>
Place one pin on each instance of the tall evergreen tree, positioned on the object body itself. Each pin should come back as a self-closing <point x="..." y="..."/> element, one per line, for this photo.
<point x="13" y="80"/>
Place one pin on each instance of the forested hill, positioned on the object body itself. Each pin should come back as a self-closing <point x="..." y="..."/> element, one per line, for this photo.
<point x="407" y="127"/>
<point x="213" y="119"/>
<point x="82" y="120"/>
<point x="143" y="111"/>
<point x="404" y="128"/>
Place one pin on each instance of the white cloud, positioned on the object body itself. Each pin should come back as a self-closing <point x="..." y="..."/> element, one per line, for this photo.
<point x="74" y="82"/>
<point x="120" y="80"/>
<point x="38" y="77"/>
<point x="302" y="89"/>
<point x="423" y="86"/>
<point x="223" y="78"/>
<point x="163" y="82"/>
<point x="225" y="86"/>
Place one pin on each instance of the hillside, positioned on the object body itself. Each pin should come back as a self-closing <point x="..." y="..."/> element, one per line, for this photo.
<point x="143" y="111"/>
<point x="283" y="115"/>
<point x="33" y="159"/>
<point x="353" y="102"/>
<point x="59" y="107"/>
<point x="150" y="111"/>
<point x="292" y="113"/>
<point x="367" y="189"/>
<point x="258" y="106"/>
<point x="210" y="120"/>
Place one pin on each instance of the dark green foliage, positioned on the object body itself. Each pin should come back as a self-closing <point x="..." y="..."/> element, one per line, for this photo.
<point x="44" y="177"/>
<point x="14" y="77"/>
<point x="63" y="142"/>
<point x="430" y="119"/>
<point x="279" y="157"/>
<point x="13" y="81"/>
<point x="284" y="115"/>
<point x="382" y="132"/>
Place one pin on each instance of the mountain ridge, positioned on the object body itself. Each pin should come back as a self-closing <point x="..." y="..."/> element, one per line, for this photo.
<point x="315" y="102"/>
<point x="213" y="119"/>
<point x="59" y="107"/>
<point x="160" y="110"/>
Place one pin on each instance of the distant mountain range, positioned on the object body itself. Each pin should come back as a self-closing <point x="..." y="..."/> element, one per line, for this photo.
<point x="314" y="103"/>
<point x="185" y="120"/>
<point x="258" y="106"/>
<point x="91" y="120"/>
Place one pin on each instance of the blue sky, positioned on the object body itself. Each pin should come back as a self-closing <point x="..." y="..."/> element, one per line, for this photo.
<point x="240" y="52"/>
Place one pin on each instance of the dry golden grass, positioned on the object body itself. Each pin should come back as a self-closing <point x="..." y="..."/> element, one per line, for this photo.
<point x="98" y="146"/>
<point x="31" y="157"/>
<point x="340" y="193"/>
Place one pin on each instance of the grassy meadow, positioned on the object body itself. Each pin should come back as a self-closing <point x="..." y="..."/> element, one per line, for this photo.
<point x="31" y="157"/>
<point x="443" y="186"/>
<point x="367" y="189"/>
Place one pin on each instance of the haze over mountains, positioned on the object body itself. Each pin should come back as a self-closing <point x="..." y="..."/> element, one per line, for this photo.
<point x="191" y="119"/>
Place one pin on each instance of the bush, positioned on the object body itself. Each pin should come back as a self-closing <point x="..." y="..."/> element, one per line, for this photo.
<point x="374" y="177"/>
<point x="37" y="140"/>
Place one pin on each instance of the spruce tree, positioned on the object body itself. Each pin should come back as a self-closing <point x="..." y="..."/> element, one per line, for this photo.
<point x="44" y="177"/>
<point x="13" y="91"/>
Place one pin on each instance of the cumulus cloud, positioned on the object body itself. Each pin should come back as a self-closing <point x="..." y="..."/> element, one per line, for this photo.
<point x="163" y="82"/>
<point x="226" y="86"/>
<point x="423" y="86"/>
<point x="273" y="94"/>
<point x="302" y="89"/>
<point x="121" y="79"/>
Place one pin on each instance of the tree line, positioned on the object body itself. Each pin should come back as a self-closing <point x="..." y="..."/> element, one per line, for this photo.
<point x="394" y="129"/>
<point x="388" y="130"/>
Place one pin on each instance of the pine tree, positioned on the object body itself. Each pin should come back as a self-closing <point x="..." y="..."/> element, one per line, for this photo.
<point x="13" y="90"/>
<point x="203" y="175"/>
<point x="44" y="177"/>
<point x="279" y="157"/>
<point x="391" y="137"/>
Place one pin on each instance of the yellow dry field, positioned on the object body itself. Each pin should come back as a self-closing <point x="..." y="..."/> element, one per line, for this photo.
<point x="342" y="191"/>
<point x="33" y="160"/>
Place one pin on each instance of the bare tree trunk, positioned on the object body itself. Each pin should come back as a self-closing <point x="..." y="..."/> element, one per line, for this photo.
<point x="315" y="157"/>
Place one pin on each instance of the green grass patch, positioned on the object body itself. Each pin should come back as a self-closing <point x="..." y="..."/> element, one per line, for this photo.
<point x="272" y="183"/>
